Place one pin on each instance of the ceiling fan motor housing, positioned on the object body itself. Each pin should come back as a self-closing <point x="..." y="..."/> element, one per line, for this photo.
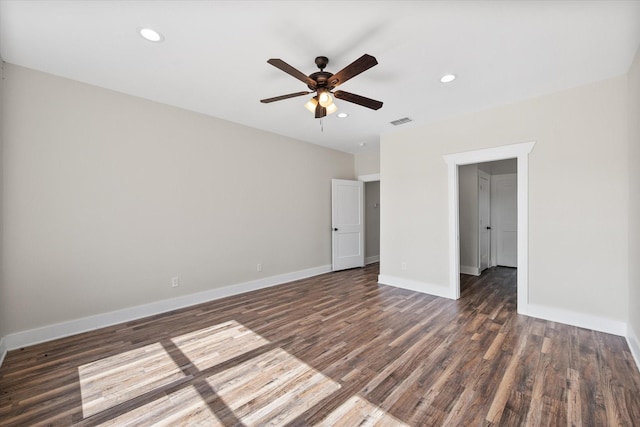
<point x="321" y="77"/>
<point x="322" y="80"/>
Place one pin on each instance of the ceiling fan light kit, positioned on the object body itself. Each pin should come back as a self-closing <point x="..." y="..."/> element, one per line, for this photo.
<point x="323" y="82"/>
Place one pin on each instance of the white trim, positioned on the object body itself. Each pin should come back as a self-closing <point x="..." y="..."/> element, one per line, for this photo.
<point x="3" y="350"/>
<point x="465" y="269"/>
<point x="521" y="152"/>
<point x="553" y="314"/>
<point x="72" y="327"/>
<point x="369" y="178"/>
<point x="372" y="259"/>
<point x="523" y="228"/>
<point x="582" y="320"/>
<point x="454" y="230"/>
<point x="634" y="344"/>
<point x="414" y="285"/>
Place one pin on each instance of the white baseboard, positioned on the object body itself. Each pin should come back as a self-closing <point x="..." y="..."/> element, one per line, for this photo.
<point x="372" y="259"/>
<point x="634" y="344"/>
<point x="3" y="350"/>
<point x="465" y="269"/>
<point x="60" y="330"/>
<point x="414" y="285"/>
<point x="582" y="320"/>
<point x="72" y="327"/>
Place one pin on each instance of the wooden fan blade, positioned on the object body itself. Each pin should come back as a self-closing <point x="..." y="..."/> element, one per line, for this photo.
<point x="320" y="111"/>
<point x="280" y="64"/>
<point x="356" y="67"/>
<point x="357" y="99"/>
<point x="281" y="97"/>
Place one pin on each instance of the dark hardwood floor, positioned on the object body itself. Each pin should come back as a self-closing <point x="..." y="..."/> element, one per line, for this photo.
<point x="336" y="349"/>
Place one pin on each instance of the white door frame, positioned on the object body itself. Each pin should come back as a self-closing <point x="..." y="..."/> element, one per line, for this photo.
<point x="521" y="152"/>
<point x="369" y="178"/>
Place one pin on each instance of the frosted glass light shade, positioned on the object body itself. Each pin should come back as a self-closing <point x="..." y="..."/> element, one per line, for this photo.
<point x="311" y="105"/>
<point x="325" y="99"/>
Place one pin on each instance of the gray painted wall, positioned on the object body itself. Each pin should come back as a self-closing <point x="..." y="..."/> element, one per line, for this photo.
<point x="634" y="200"/>
<point x="577" y="218"/>
<point x="108" y="196"/>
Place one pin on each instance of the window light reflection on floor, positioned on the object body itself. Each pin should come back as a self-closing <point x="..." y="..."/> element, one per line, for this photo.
<point x="271" y="389"/>
<point x="274" y="387"/>
<point x="216" y="344"/>
<point x="110" y="381"/>
<point x="360" y="412"/>
<point x="184" y="407"/>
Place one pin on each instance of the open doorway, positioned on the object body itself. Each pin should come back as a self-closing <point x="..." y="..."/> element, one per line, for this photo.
<point x="521" y="153"/>
<point x="371" y="217"/>
<point x="487" y="215"/>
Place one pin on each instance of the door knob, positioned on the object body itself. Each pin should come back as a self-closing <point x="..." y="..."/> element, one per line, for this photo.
<point x="488" y="228"/>
<point x="335" y="229"/>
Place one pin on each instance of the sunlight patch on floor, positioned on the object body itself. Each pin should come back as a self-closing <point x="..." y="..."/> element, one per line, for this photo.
<point x="184" y="407"/>
<point x="271" y="389"/>
<point x="108" y="382"/>
<point x="216" y="344"/>
<point x="360" y="412"/>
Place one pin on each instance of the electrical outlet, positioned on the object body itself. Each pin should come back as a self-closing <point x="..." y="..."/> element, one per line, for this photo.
<point x="175" y="281"/>
<point x="259" y="267"/>
<point x="403" y="266"/>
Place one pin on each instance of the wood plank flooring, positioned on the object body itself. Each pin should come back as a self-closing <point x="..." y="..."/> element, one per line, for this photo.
<point x="336" y="349"/>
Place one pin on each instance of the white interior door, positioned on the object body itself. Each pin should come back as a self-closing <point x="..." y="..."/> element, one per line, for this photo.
<point x="506" y="227"/>
<point x="347" y="206"/>
<point x="484" y="220"/>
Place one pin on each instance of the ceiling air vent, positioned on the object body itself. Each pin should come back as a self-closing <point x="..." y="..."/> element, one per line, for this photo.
<point x="401" y="121"/>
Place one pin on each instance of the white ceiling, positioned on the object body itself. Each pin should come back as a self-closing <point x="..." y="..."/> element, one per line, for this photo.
<point x="213" y="58"/>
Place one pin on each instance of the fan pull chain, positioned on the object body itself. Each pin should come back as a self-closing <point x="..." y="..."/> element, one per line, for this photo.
<point x="321" y="126"/>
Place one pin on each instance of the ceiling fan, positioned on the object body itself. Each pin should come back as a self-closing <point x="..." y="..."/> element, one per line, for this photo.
<point x="323" y="82"/>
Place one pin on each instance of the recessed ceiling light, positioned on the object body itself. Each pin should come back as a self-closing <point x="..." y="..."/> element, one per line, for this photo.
<point x="343" y="115"/>
<point x="362" y="144"/>
<point x="448" y="78"/>
<point x="151" y="35"/>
